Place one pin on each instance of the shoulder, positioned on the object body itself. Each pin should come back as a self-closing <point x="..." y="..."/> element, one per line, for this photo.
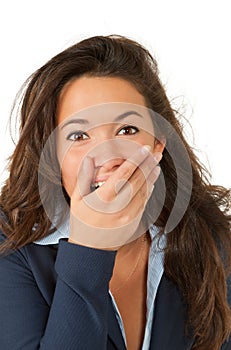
<point x="17" y="257"/>
<point x="32" y="265"/>
<point x="27" y="255"/>
<point x="30" y="249"/>
<point x="31" y="254"/>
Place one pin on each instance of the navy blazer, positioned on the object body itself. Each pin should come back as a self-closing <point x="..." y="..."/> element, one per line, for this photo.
<point x="56" y="297"/>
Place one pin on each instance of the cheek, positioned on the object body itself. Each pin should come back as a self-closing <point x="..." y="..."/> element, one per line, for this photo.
<point x="69" y="170"/>
<point x="146" y="139"/>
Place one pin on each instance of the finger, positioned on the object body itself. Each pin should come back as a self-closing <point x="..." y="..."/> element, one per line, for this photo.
<point x="142" y="173"/>
<point x="119" y="178"/>
<point x="141" y="176"/>
<point x="84" y="178"/>
<point x="153" y="176"/>
<point x="127" y="168"/>
<point x="141" y="197"/>
<point x="140" y="191"/>
<point x="151" y="180"/>
<point x="103" y="201"/>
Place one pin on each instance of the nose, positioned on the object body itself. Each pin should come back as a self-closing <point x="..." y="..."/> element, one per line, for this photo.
<point x="103" y="171"/>
<point x="108" y="156"/>
<point x="109" y="159"/>
<point x="111" y="164"/>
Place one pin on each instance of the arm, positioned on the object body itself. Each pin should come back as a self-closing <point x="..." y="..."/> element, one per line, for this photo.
<point x="80" y="304"/>
<point x="77" y="318"/>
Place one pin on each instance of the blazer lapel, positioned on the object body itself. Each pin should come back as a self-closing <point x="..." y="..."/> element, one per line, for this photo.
<point x="168" y="329"/>
<point x="114" y="331"/>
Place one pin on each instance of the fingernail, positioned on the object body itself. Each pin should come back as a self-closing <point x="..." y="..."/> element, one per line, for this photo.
<point x="157" y="170"/>
<point x="145" y="149"/>
<point x="157" y="156"/>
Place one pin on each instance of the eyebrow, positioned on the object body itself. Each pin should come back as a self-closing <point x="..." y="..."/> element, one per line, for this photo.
<point x="85" y="121"/>
<point x="126" y="114"/>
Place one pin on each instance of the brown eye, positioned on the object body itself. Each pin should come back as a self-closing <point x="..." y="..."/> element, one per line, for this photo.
<point x="77" y="136"/>
<point x="128" y="130"/>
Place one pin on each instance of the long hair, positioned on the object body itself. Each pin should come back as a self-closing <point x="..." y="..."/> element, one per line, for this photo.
<point x="197" y="256"/>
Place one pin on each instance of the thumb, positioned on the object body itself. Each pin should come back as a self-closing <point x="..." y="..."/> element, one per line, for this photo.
<point x="84" y="178"/>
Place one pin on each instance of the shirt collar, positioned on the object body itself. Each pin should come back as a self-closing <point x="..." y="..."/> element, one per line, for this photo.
<point x="64" y="231"/>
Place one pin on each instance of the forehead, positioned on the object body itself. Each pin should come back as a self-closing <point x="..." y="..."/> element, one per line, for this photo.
<point x="84" y="92"/>
<point x="109" y="113"/>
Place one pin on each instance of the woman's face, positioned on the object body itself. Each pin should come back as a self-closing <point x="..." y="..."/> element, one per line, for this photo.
<point x="98" y="117"/>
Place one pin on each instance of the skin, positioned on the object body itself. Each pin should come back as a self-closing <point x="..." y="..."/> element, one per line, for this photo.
<point x="79" y="95"/>
<point x="139" y="174"/>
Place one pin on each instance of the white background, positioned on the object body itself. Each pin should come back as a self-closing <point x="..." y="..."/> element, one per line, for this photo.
<point x="190" y="40"/>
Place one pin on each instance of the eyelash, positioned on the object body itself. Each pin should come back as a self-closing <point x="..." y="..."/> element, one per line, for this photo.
<point x="75" y="134"/>
<point x="80" y="133"/>
<point x="130" y="127"/>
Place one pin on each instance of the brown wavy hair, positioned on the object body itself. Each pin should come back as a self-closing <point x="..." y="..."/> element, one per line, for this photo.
<point x="197" y="257"/>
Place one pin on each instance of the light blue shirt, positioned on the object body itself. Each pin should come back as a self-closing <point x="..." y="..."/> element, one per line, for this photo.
<point x="155" y="272"/>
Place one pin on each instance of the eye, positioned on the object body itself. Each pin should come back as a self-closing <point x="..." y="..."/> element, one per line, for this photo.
<point x="77" y="136"/>
<point x="128" y="130"/>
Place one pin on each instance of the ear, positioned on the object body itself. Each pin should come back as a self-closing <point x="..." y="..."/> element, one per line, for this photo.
<point x="159" y="145"/>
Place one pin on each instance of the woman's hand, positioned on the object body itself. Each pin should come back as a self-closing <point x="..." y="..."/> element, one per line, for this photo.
<point x="109" y="216"/>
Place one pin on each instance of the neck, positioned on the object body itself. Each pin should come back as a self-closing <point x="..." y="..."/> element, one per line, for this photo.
<point x="131" y="260"/>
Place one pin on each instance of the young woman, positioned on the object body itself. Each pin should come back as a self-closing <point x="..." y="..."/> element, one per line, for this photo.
<point x="93" y="256"/>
